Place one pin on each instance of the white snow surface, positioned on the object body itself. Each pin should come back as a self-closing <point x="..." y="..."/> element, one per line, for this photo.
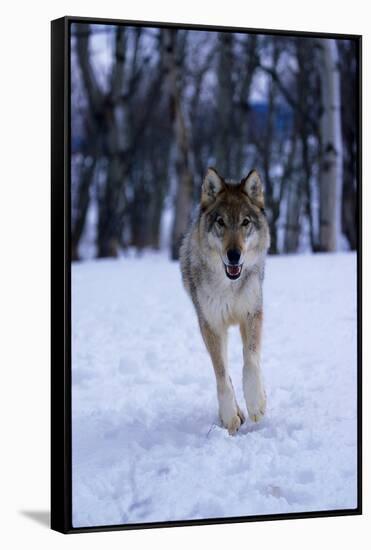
<point x="147" y="442"/>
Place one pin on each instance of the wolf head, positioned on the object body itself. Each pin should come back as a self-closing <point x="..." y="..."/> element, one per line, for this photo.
<point x="236" y="228"/>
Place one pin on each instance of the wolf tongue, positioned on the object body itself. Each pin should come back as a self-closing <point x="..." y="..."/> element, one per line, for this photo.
<point x="233" y="269"/>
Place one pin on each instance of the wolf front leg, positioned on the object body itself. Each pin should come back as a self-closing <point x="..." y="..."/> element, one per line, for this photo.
<point x="253" y="386"/>
<point x="216" y="342"/>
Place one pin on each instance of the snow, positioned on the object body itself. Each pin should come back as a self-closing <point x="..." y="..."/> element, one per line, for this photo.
<point x="147" y="443"/>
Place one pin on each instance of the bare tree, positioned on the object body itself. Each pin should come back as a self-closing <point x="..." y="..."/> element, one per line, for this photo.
<point x="224" y="113"/>
<point x="84" y="178"/>
<point x="299" y="89"/>
<point x="202" y="134"/>
<point x="348" y="67"/>
<point x="246" y="65"/>
<point x="119" y="130"/>
<point x="111" y="199"/>
<point x="266" y="145"/>
<point x="105" y="112"/>
<point x="173" y="58"/>
<point x="149" y="179"/>
<point x="84" y="160"/>
<point x="331" y="161"/>
<point x="299" y="192"/>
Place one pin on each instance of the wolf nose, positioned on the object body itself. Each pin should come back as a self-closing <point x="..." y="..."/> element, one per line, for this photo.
<point x="234" y="256"/>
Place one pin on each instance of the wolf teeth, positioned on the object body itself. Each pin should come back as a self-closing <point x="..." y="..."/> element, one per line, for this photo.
<point x="233" y="270"/>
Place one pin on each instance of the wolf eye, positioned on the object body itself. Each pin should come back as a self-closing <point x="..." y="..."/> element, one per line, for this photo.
<point x="246" y="221"/>
<point x="220" y="221"/>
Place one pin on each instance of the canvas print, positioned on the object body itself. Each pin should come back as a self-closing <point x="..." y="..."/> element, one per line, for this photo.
<point x="214" y="180"/>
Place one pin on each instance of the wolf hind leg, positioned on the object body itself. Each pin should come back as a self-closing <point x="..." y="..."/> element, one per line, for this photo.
<point x="230" y="413"/>
<point x="253" y="385"/>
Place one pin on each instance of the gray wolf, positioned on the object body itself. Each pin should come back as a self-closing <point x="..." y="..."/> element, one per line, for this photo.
<point x="222" y="261"/>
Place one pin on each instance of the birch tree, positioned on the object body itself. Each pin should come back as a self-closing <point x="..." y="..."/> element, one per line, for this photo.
<point x="119" y="128"/>
<point x="106" y="111"/>
<point x="331" y="156"/>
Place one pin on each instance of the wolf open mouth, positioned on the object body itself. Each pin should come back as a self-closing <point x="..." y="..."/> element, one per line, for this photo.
<point x="233" y="271"/>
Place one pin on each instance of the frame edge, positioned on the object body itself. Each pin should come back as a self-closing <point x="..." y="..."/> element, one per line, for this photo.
<point x="60" y="377"/>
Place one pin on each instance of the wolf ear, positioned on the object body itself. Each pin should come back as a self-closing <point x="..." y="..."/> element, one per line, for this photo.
<point x="253" y="187"/>
<point x="211" y="187"/>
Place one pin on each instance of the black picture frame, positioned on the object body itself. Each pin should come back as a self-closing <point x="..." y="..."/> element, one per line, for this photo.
<point x="61" y="459"/>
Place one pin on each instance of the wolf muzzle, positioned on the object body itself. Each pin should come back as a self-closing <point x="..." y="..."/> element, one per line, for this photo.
<point x="233" y="268"/>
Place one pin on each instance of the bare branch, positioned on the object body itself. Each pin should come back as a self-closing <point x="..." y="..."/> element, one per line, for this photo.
<point x="289" y="98"/>
<point x="93" y="91"/>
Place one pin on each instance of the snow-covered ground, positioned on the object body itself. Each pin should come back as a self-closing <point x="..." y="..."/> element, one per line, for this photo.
<point x="147" y="444"/>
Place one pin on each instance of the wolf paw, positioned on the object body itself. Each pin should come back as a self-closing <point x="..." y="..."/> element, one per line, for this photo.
<point x="234" y="423"/>
<point x="257" y="407"/>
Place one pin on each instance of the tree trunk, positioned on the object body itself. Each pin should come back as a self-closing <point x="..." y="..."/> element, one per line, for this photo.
<point x="183" y="198"/>
<point x="80" y="208"/>
<point x="225" y="136"/>
<point x="307" y="171"/>
<point x="304" y="85"/>
<point x="111" y="208"/>
<point x="111" y="203"/>
<point x="157" y="204"/>
<point x="95" y="99"/>
<point x="291" y="186"/>
<point x="349" y="208"/>
<point x="250" y="61"/>
<point x="349" y="128"/>
<point x="292" y="233"/>
<point x="331" y="159"/>
<point x="266" y="145"/>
